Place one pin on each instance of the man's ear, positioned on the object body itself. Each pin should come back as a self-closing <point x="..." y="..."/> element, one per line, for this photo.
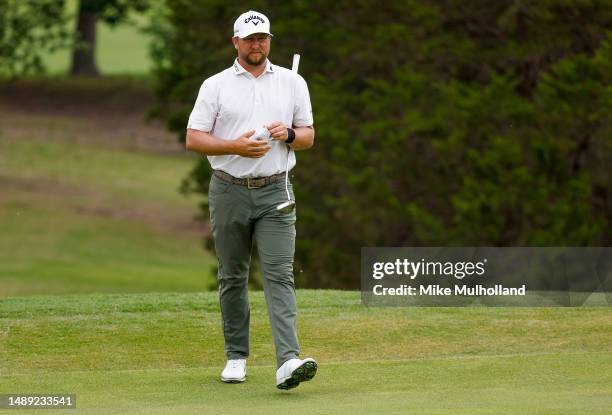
<point x="235" y="42"/>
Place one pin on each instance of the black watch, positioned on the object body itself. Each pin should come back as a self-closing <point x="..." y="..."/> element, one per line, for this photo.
<point x="290" y="136"/>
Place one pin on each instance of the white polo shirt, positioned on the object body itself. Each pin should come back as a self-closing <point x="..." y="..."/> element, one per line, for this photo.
<point x="233" y="102"/>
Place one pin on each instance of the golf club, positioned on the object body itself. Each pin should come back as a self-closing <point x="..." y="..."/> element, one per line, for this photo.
<point x="289" y="205"/>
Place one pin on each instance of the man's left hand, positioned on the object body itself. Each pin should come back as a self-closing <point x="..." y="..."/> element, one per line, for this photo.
<point x="278" y="131"/>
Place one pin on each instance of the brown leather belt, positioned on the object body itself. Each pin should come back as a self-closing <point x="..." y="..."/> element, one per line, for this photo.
<point x="250" y="182"/>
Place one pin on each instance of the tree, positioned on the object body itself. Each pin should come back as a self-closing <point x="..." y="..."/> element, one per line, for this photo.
<point x="90" y="12"/>
<point x="28" y="29"/>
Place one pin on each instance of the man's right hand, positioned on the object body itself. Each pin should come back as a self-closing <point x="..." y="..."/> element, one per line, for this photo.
<point x="245" y="147"/>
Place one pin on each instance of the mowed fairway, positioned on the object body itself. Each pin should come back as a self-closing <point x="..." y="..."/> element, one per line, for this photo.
<point x="162" y="354"/>
<point x="89" y="193"/>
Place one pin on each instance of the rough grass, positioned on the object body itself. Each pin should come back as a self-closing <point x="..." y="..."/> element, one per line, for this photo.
<point x="162" y="354"/>
<point x="89" y="193"/>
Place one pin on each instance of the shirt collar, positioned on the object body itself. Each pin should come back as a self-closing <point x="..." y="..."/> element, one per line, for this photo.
<point x="238" y="69"/>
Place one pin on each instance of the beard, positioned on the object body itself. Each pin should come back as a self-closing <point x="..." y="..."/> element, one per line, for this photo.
<point x="255" y="59"/>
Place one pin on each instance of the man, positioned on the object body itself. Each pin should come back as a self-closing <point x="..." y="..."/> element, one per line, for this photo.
<point x="247" y="186"/>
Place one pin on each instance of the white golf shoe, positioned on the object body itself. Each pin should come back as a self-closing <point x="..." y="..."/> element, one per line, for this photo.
<point x="235" y="371"/>
<point x="294" y="371"/>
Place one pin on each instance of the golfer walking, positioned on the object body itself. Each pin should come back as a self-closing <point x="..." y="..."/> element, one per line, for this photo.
<point x="247" y="186"/>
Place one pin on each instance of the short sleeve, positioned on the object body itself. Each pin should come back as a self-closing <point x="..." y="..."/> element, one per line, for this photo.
<point x="302" y="110"/>
<point x="206" y="107"/>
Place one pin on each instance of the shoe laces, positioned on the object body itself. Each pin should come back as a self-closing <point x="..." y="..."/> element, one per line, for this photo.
<point x="235" y="364"/>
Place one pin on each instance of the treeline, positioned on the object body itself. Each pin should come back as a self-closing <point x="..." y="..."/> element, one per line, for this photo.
<point x="438" y="123"/>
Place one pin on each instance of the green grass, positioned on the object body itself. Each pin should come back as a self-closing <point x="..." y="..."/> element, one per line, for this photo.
<point x="83" y="210"/>
<point x="123" y="175"/>
<point x="162" y="354"/>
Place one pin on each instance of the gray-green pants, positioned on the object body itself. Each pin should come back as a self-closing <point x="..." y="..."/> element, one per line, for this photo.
<point x="238" y="216"/>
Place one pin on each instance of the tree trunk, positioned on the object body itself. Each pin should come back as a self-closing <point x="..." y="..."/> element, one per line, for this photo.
<point x="83" y="54"/>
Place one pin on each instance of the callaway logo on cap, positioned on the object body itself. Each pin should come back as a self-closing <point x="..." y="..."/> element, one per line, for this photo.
<point x="251" y="22"/>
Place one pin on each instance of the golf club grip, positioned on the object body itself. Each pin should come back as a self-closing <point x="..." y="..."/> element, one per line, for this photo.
<point x="296" y="63"/>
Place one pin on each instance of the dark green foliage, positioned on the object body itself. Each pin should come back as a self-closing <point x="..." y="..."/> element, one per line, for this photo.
<point x="28" y="29"/>
<point x="437" y="123"/>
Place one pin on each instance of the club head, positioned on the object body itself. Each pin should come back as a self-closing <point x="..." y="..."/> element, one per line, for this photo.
<point x="286" y="207"/>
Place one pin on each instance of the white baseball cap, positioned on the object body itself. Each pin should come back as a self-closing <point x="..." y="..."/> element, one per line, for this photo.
<point x="251" y="22"/>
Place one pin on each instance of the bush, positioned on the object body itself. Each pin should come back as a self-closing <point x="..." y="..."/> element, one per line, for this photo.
<point x="438" y="123"/>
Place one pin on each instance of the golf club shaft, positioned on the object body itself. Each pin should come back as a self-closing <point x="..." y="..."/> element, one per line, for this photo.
<point x="294" y="68"/>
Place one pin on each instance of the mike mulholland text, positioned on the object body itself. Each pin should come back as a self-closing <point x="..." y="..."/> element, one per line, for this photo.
<point x="435" y="289"/>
